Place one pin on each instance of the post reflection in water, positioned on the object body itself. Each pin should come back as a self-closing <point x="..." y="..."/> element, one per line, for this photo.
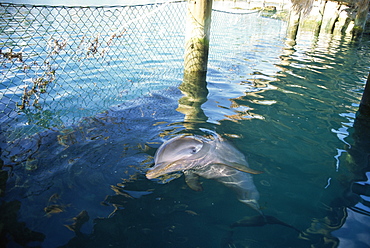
<point x="194" y="89"/>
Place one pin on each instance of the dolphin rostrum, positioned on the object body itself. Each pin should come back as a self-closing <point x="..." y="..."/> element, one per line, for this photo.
<point x="211" y="158"/>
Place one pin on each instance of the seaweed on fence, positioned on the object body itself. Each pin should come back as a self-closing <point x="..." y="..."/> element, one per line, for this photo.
<point x="94" y="46"/>
<point x="39" y="86"/>
<point x="10" y="55"/>
<point x="31" y="94"/>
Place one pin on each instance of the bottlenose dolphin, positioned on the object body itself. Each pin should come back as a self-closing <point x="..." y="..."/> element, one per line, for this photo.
<point x="211" y="158"/>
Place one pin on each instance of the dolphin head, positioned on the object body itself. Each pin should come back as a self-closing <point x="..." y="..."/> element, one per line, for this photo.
<point x="178" y="154"/>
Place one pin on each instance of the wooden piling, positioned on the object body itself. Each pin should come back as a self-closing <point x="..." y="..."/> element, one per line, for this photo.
<point x="359" y="150"/>
<point x="293" y="25"/>
<point x="198" y="24"/>
<point x="344" y="24"/>
<point x="330" y="17"/>
<point x="312" y="20"/>
<point x="364" y="108"/>
<point x="360" y="19"/>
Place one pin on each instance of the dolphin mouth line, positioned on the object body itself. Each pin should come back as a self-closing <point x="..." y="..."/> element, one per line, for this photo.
<point x="156" y="172"/>
<point x="152" y="173"/>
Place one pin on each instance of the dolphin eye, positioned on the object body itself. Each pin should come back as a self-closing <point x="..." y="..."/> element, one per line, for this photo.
<point x="193" y="150"/>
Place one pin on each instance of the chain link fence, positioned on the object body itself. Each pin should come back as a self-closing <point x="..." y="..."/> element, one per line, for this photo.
<point x="59" y="63"/>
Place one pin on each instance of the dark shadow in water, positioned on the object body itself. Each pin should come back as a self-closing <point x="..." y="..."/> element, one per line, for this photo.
<point x="56" y="174"/>
<point x="164" y="218"/>
<point x="12" y="229"/>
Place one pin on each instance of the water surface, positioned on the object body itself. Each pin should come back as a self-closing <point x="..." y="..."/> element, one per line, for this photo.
<point x="290" y="109"/>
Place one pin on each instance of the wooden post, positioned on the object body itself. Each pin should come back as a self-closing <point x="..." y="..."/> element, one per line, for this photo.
<point x="364" y="108"/>
<point x="198" y="25"/>
<point x="343" y="25"/>
<point x="359" y="150"/>
<point x="360" y="19"/>
<point x="330" y="16"/>
<point x="312" y="20"/>
<point x="293" y="25"/>
<point x="321" y="14"/>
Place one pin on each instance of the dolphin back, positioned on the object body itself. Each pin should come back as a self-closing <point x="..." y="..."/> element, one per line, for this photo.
<point x="230" y="167"/>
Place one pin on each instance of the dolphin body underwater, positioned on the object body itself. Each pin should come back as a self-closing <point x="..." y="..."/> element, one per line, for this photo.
<point x="213" y="158"/>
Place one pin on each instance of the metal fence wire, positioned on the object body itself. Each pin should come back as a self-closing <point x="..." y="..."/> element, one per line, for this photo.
<point x="60" y="63"/>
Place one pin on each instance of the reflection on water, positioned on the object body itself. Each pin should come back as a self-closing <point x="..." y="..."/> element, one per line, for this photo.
<point x="289" y="110"/>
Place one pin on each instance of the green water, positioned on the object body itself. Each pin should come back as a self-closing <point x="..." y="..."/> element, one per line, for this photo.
<point x="289" y="109"/>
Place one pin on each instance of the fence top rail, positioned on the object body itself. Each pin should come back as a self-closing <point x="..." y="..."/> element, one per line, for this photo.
<point x="27" y="5"/>
<point x="242" y="12"/>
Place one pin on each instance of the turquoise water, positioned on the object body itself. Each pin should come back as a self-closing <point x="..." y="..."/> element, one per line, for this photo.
<point x="289" y="109"/>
